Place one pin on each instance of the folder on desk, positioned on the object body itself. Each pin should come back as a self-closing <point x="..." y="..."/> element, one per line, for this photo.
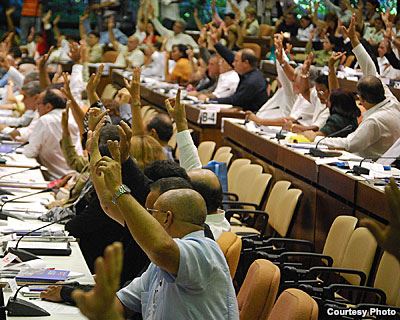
<point x="41" y="276"/>
<point x="44" y="248"/>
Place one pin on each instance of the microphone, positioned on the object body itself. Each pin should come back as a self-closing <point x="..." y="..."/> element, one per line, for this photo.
<point x="10" y="174"/>
<point x="280" y="136"/>
<point x="315" y="152"/>
<point x="25" y="255"/>
<point x="17" y="307"/>
<point x="359" y="170"/>
<point x="8" y="214"/>
<point x="3" y="160"/>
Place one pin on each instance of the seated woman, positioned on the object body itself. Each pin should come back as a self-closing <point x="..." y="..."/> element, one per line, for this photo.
<point x="182" y="69"/>
<point x="343" y="112"/>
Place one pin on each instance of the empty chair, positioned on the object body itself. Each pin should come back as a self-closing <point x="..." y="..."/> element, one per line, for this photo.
<point x="234" y="169"/>
<point x="278" y="190"/>
<point x="222" y="150"/>
<point x="294" y="304"/>
<point x="281" y="217"/>
<point x="245" y="181"/>
<point x="258" y="291"/>
<point x="224" y="157"/>
<point x="230" y="245"/>
<point x="388" y="278"/>
<point x="338" y="238"/>
<point x="359" y="254"/>
<point x="206" y="150"/>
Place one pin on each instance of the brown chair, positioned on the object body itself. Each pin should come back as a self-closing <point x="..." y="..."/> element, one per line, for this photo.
<point x="259" y="289"/>
<point x="294" y="304"/>
<point x="109" y="56"/>
<point x="266" y="30"/>
<point x="230" y="245"/>
<point x="255" y="47"/>
<point x="206" y="151"/>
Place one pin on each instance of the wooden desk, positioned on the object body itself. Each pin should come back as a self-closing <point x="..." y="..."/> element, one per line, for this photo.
<point x="202" y="132"/>
<point x="327" y="191"/>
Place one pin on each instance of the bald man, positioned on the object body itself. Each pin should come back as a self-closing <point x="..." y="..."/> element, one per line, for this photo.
<point x="206" y="183"/>
<point x="44" y="141"/>
<point x="188" y="277"/>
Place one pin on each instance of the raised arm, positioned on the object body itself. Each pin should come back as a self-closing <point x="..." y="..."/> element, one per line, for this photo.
<point x="43" y="74"/>
<point x="188" y="154"/>
<point x="134" y="90"/>
<point x="332" y="78"/>
<point x="114" y="42"/>
<point x="92" y="84"/>
<point x="56" y="30"/>
<point x="82" y="30"/>
<point x="10" y="23"/>
<point x="199" y="24"/>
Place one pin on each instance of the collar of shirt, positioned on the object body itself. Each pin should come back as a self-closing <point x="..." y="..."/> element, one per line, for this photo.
<point x="375" y="108"/>
<point x="195" y="234"/>
<point x="217" y="217"/>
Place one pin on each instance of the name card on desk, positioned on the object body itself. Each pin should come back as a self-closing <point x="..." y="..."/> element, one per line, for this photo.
<point x="207" y="117"/>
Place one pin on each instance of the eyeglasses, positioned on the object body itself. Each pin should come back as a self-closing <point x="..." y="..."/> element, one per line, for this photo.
<point x="153" y="211"/>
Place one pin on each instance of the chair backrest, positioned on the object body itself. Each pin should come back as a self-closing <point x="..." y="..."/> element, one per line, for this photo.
<point x="388" y="278"/>
<point x="266" y="30"/>
<point x="260" y="185"/>
<point x="278" y="190"/>
<point x="281" y="217"/>
<point x="206" y="150"/>
<point x="222" y="150"/>
<point x="224" y="157"/>
<point x="359" y="254"/>
<point x="245" y="180"/>
<point x="109" y="92"/>
<point x="258" y="291"/>
<point x="230" y="245"/>
<point x="338" y="237"/>
<point x="255" y="47"/>
<point x="110" y="56"/>
<point x="234" y="170"/>
<point x="294" y="304"/>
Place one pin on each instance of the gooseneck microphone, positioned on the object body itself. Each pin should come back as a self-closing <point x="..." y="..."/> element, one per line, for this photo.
<point x="315" y="152"/>
<point x="25" y="255"/>
<point x="23" y="196"/>
<point x="22" y="171"/>
<point x="359" y="170"/>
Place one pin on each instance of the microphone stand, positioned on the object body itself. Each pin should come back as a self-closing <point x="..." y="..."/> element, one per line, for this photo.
<point x="25" y="255"/>
<point x="315" y="152"/>
<point x="359" y="170"/>
<point x="22" y="171"/>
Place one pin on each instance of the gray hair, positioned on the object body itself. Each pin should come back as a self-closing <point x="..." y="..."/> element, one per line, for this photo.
<point x="32" y="88"/>
<point x="31" y="76"/>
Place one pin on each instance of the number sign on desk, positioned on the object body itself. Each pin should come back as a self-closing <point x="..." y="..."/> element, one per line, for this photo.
<point x="207" y="117"/>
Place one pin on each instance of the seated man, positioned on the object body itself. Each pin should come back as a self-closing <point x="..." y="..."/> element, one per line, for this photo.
<point x="160" y="128"/>
<point x="176" y="35"/>
<point x="44" y="142"/>
<point x="31" y="92"/>
<point x="130" y="55"/>
<point x="251" y="92"/>
<point x="206" y="183"/>
<point x="379" y="128"/>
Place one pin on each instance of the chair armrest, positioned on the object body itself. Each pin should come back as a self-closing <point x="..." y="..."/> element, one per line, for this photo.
<point x="240" y="203"/>
<point x="314" y="271"/>
<point x="285" y="255"/>
<point x="231" y="194"/>
<point x="230" y="212"/>
<point x="305" y="243"/>
<point x="330" y="292"/>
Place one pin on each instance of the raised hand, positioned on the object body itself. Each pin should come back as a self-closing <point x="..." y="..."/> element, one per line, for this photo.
<point x="74" y="52"/>
<point x="41" y="62"/>
<point x="177" y="111"/>
<point x="351" y="31"/>
<point x="307" y="63"/>
<point x="335" y="56"/>
<point x="388" y="237"/>
<point x="134" y="87"/>
<point x="95" y="116"/>
<point x="92" y="84"/>
<point x="66" y="89"/>
<point x="56" y="20"/>
<point x="125" y="135"/>
<point x="64" y="120"/>
<point x="99" y="302"/>
<point x="110" y="168"/>
<point x="10" y="11"/>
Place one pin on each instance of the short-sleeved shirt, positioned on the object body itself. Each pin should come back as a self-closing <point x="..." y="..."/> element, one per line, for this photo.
<point x="202" y="289"/>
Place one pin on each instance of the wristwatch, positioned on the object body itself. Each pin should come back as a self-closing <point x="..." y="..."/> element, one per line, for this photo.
<point x="122" y="189"/>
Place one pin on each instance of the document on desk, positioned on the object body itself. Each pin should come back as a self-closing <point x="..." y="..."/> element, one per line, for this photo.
<point x="56" y="308"/>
